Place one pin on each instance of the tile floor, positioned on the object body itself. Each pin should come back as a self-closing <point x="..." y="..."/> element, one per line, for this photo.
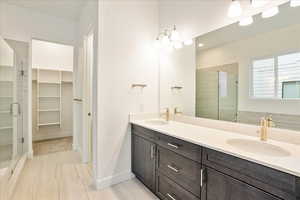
<point x="61" y="176"/>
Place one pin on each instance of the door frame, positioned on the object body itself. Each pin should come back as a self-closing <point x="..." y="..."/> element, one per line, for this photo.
<point x="29" y="98"/>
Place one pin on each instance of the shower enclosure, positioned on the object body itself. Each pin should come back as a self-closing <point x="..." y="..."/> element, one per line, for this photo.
<point x="11" y="139"/>
<point x="217" y="92"/>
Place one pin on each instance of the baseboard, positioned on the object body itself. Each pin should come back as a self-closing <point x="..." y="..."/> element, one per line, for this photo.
<point x="37" y="138"/>
<point x="113" y="180"/>
<point x="30" y="154"/>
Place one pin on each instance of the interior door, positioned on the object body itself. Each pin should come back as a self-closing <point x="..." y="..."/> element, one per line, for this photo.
<point x="87" y="97"/>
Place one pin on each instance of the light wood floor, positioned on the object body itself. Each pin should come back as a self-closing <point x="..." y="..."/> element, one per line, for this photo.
<point x="61" y="176"/>
<point x="52" y="146"/>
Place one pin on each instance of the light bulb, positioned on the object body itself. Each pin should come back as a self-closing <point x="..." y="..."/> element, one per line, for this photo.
<point x="188" y="42"/>
<point x="157" y="43"/>
<point x="258" y="3"/>
<point x="165" y="40"/>
<point x="270" y="12"/>
<point x="246" y="21"/>
<point x="235" y="9"/>
<point x="178" y="45"/>
<point x="295" y="3"/>
<point x="200" y="45"/>
<point x="175" y="35"/>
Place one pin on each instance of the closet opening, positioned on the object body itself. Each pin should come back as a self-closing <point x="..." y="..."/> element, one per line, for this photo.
<point x="52" y="97"/>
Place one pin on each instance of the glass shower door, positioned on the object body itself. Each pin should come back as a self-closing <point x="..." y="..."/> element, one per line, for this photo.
<point x="9" y="108"/>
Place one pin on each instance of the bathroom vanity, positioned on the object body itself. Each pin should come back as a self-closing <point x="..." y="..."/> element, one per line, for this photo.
<point x="177" y="169"/>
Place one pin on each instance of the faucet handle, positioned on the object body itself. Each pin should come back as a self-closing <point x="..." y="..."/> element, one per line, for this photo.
<point x="270" y="121"/>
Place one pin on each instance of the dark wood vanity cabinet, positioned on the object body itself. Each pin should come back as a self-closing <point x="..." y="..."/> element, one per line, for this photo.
<point x="178" y="170"/>
<point x="143" y="162"/>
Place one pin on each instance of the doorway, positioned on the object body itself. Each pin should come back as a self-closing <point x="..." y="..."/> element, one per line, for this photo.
<point x="52" y="96"/>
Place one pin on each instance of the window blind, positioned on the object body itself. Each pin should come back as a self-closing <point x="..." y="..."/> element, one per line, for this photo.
<point x="264" y="78"/>
<point x="288" y="70"/>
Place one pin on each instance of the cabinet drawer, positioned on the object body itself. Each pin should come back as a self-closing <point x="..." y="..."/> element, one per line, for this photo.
<point x="181" y="147"/>
<point x="222" y="187"/>
<point x="145" y="133"/>
<point x="185" y="172"/>
<point x="166" y="189"/>
<point x="273" y="181"/>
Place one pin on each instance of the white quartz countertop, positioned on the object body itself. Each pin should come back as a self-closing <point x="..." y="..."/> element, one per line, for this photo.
<point x="218" y="140"/>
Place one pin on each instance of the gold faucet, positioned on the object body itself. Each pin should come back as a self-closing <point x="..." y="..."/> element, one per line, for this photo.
<point x="265" y="124"/>
<point x="176" y="112"/>
<point x="167" y="114"/>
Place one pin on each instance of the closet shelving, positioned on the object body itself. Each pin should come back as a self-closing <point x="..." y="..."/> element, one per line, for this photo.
<point x="6" y="97"/>
<point x="49" y="95"/>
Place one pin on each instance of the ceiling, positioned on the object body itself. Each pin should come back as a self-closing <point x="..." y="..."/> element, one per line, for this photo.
<point x="68" y="9"/>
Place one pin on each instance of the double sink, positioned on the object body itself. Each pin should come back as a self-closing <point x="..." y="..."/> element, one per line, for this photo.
<point x="254" y="146"/>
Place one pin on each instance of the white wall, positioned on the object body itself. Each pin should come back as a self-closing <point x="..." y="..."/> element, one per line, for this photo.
<point x="126" y="56"/>
<point x="243" y="52"/>
<point x="177" y="68"/>
<point x="53" y="56"/>
<point x="6" y="54"/>
<point x="22" y="24"/>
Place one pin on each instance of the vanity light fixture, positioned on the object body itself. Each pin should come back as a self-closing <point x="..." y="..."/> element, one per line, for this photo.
<point x="174" y="34"/>
<point x="295" y="3"/>
<point x="235" y="9"/>
<point x="246" y="21"/>
<point x="170" y="39"/>
<point x="188" y="42"/>
<point x="270" y="12"/>
<point x="178" y="45"/>
<point x="165" y="40"/>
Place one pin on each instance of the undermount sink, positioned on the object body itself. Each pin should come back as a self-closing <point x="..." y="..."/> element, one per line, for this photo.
<point x="158" y="122"/>
<point x="258" y="147"/>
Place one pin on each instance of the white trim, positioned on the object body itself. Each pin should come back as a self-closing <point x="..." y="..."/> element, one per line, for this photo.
<point x="113" y="180"/>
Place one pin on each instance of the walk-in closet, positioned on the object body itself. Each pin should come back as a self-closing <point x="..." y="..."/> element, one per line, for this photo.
<point x="52" y="96"/>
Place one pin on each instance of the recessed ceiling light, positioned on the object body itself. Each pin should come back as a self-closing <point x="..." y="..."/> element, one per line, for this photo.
<point x="246" y="21"/>
<point x="235" y="9"/>
<point x="200" y="45"/>
<point x="270" y="12"/>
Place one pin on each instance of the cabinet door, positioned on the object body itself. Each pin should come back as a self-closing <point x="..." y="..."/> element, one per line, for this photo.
<point x="143" y="161"/>
<point x="218" y="186"/>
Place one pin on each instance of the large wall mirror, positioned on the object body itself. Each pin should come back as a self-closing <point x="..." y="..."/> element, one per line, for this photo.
<point x="243" y="73"/>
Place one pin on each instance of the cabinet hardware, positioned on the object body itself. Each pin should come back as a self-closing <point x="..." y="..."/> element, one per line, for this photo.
<point x="173" y="168"/>
<point x="152" y="151"/>
<point x="201" y="177"/>
<point x="170" y="196"/>
<point x="138" y="85"/>
<point x="173" y="145"/>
